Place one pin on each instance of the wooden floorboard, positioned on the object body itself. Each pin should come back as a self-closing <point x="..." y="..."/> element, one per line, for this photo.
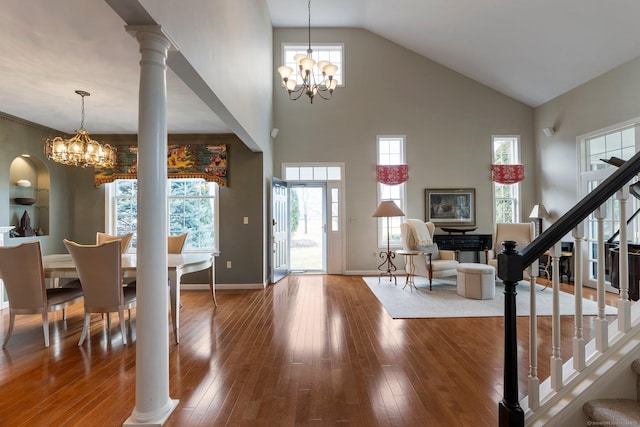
<point x="312" y="350"/>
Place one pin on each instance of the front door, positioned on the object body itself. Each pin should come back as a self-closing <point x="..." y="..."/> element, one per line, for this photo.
<point x="279" y="229"/>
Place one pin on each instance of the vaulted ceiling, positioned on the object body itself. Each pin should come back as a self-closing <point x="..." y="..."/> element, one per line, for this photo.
<point x="532" y="51"/>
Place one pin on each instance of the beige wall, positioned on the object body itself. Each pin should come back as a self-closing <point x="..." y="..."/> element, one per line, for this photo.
<point x="607" y="100"/>
<point x="447" y="119"/>
<point x="224" y="56"/>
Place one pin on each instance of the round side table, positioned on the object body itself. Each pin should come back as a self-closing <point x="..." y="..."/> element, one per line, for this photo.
<point x="410" y="267"/>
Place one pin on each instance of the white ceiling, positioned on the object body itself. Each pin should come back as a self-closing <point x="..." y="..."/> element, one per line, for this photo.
<point x="532" y="50"/>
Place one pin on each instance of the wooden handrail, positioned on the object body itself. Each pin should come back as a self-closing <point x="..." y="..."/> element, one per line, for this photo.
<point x="510" y="266"/>
<point x="581" y="210"/>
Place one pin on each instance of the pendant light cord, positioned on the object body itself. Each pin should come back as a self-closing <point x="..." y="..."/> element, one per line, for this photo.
<point x="309" y="7"/>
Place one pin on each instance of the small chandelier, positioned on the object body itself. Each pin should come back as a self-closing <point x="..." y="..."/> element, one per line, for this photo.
<point x="80" y="150"/>
<point x="305" y="65"/>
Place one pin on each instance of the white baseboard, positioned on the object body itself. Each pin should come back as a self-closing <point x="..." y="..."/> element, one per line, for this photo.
<point x="220" y="286"/>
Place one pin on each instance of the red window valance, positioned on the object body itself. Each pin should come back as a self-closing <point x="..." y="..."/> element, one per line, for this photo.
<point x="507" y="174"/>
<point x="392" y="174"/>
<point x="208" y="162"/>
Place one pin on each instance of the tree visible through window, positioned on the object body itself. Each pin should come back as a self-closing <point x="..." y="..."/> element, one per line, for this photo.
<point x="192" y="209"/>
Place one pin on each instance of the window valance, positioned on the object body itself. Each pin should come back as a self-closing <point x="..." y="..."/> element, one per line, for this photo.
<point x="392" y="174"/>
<point x="507" y="174"/>
<point x="208" y="162"/>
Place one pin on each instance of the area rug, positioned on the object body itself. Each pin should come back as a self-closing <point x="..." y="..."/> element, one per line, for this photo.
<point x="443" y="301"/>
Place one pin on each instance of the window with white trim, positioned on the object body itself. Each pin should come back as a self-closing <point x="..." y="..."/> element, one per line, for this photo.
<point x="192" y="208"/>
<point x="506" y="197"/>
<point x="391" y="151"/>
<point x="326" y="52"/>
<point x="621" y="141"/>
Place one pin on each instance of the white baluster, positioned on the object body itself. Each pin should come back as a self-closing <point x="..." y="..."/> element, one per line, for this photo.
<point x="579" y="354"/>
<point x="602" y="333"/>
<point x="534" y="381"/>
<point x="624" y="305"/>
<point x="556" y="356"/>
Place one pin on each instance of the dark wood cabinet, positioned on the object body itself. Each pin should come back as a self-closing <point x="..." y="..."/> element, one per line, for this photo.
<point x="464" y="242"/>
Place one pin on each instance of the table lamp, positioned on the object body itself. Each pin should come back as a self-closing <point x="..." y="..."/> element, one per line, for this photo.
<point x="539" y="212"/>
<point x="387" y="208"/>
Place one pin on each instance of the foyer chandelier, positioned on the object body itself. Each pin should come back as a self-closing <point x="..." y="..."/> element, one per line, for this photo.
<point x="80" y="150"/>
<point x="308" y="73"/>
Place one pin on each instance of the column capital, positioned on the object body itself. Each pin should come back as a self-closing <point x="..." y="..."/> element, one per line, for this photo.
<point x="155" y="32"/>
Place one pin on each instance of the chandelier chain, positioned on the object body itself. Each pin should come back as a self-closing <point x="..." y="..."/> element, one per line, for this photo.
<point x="82" y="114"/>
<point x="309" y="8"/>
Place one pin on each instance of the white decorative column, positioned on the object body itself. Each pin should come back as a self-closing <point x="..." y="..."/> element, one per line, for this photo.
<point x="153" y="404"/>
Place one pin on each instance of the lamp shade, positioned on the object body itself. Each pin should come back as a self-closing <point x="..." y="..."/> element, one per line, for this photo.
<point x="387" y="208"/>
<point x="539" y="212"/>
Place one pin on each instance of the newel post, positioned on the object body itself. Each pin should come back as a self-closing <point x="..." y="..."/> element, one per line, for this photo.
<point x="510" y="271"/>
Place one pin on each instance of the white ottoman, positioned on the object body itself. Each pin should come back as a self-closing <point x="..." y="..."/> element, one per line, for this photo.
<point x="477" y="281"/>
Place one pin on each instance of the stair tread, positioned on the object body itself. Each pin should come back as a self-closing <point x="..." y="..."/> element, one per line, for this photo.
<point x="613" y="410"/>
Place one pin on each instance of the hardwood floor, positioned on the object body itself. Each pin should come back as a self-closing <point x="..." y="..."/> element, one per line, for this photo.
<point x="310" y="350"/>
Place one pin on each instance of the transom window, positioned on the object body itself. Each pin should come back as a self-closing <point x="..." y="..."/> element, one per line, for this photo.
<point x="312" y="173"/>
<point x="619" y="143"/>
<point x="192" y="208"/>
<point x="327" y="52"/>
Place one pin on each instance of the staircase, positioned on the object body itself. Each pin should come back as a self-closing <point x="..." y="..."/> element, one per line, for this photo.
<point x="616" y="412"/>
<point x="596" y="371"/>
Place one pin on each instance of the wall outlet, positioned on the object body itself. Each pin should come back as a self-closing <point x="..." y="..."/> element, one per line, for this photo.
<point x="228" y="264"/>
<point x="246" y="220"/>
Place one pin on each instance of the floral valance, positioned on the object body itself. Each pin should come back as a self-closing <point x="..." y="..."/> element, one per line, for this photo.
<point x="507" y="174"/>
<point x="208" y="162"/>
<point x="392" y="174"/>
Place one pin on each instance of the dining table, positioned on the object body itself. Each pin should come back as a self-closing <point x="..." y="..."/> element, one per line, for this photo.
<point x="61" y="266"/>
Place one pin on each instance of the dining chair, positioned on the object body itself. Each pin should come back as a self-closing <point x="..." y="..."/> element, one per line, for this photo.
<point x="100" y="270"/>
<point x="175" y="244"/>
<point x="22" y="272"/>
<point x="124" y="238"/>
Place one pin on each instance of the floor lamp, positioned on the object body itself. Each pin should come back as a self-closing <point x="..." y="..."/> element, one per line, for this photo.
<point x="387" y="209"/>
<point x="538" y="213"/>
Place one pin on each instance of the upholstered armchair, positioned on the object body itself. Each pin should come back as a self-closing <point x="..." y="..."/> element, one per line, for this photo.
<point x="521" y="232"/>
<point x="435" y="262"/>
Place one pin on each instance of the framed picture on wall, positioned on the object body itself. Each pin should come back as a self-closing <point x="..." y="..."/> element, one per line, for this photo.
<point x="450" y="206"/>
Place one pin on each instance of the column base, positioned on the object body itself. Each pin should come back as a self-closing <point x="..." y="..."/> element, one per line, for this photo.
<point x="155" y="423"/>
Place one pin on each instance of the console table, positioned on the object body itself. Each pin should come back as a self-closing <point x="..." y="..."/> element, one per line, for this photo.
<point x="464" y="242"/>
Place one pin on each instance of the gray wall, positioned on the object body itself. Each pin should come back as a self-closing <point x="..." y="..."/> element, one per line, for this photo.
<point x="241" y="244"/>
<point x="77" y="207"/>
<point x="447" y="118"/>
<point x="609" y="99"/>
<point x="19" y="137"/>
